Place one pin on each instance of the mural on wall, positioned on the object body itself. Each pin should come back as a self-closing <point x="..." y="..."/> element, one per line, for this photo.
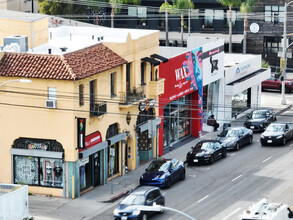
<point x="194" y="69"/>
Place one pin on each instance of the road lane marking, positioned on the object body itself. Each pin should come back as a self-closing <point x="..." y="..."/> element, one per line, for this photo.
<point x="232" y="154"/>
<point x="192" y="176"/>
<point x="202" y="199"/>
<point x="236" y="178"/>
<point x="236" y="210"/>
<point x="266" y="159"/>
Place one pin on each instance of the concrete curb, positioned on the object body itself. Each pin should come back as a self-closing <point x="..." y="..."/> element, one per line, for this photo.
<point x="285" y="109"/>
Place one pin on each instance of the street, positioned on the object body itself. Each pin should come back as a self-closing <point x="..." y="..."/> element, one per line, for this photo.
<point x="225" y="189"/>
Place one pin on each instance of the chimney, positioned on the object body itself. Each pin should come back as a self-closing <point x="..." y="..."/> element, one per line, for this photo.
<point x="49" y="51"/>
<point x="63" y="49"/>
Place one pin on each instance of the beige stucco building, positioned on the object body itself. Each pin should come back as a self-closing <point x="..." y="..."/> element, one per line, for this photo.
<point x="34" y="26"/>
<point x="85" y="115"/>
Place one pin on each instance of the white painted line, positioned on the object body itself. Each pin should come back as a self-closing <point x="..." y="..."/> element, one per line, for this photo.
<point x="266" y="159"/>
<point x="236" y="178"/>
<point x="192" y="176"/>
<point x="232" y="154"/>
<point x="291" y="145"/>
<point x="208" y="168"/>
<point x="236" y="210"/>
<point x="202" y="199"/>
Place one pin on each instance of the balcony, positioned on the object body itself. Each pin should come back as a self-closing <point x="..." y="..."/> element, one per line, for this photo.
<point x="98" y="109"/>
<point x="132" y="96"/>
<point x="156" y="88"/>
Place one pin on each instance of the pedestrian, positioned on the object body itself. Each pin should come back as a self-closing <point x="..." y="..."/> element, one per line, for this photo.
<point x="213" y="122"/>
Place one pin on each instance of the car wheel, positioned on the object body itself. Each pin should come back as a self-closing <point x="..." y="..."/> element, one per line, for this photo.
<point x="284" y="141"/>
<point x="224" y="153"/>
<point x="212" y="159"/>
<point x="237" y="146"/>
<point x="168" y="183"/>
<point x="250" y="140"/>
<point x="262" y="143"/>
<point x="182" y="174"/>
<point x="144" y="217"/>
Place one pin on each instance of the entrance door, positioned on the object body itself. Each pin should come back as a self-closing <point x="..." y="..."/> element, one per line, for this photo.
<point x="126" y="155"/>
<point x="97" y="169"/>
<point x="174" y="133"/>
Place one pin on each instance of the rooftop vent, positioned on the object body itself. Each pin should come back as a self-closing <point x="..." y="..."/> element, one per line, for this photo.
<point x="63" y="49"/>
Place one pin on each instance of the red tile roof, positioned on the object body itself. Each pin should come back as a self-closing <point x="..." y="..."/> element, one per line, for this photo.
<point x="71" y="66"/>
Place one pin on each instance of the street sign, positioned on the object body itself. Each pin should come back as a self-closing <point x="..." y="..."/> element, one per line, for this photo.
<point x="288" y="55"/>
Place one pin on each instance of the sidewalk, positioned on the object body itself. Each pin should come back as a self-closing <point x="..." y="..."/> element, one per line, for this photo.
<point x="100" y="199"/>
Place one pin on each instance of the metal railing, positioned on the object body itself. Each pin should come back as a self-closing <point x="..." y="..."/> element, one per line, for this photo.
<point x="98" y="109"/>
<point x="135" y="95"/>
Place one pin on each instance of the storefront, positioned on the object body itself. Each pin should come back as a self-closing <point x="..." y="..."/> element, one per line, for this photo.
<point x="91" y="160"/>
<point x="243" y="77"/>
<point x="115" y="151"/>
<point x="38" y="162"/>
<point x="147" y="131"/>
<point x="193" y="83"/>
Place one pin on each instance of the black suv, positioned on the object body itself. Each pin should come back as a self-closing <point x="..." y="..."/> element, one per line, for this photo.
<point x="258" y="120"/>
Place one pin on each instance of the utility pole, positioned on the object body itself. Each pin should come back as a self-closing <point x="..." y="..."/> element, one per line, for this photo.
<point x="283" y="99"/>
<point x="32" y="6"/>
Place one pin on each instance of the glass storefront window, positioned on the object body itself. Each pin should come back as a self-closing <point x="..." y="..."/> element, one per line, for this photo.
<point x="177" y="120"/>
<point x="240" y="102"/>
<point x="38" y="171"/>
<point x="210" y="100"/>
<point x="85" y="172"/>
<point x="51" y="172"/>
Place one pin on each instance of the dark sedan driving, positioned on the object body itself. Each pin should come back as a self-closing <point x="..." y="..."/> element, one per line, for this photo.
<point x="206" y="151"/>
<point x="258" y="120"/>
<point x="235" y="137"/>
<point x="277" y="133"/>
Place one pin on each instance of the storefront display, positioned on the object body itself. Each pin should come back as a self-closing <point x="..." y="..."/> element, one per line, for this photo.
<point x="240" y="102"/>
<point x="38" y="162"/>
<point x="85" y="172"/>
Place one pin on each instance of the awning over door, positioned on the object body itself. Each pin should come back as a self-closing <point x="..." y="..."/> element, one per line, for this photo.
<point x="144" y="126"/>
<point x="248" y="81"/>
<point x="116" y="138"/>
<point x="93" y="149"/>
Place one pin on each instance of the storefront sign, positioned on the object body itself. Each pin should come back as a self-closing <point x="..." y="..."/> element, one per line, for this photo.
<point x="81" y="133"/>
<point x="145" y="105"/>
<point x="36" y="146"/>
<point x="93" y="139"/>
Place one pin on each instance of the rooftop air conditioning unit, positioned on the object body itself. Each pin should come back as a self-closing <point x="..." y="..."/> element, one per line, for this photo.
<point x="21" y="40"/>
<point x="51" y="103"/>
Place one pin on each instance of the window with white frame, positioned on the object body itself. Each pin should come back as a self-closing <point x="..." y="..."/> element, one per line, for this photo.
<point x="52" y="93"/>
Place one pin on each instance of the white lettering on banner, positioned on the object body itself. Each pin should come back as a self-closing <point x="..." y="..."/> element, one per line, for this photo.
<point x="180" y="94"/>
<point x="95" y="138"/>
<point x="180" y="73"/>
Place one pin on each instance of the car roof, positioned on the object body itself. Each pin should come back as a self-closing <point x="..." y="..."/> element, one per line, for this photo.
<point x="279" y="123"/>
<point x="263" y="110"/>
<point x="207" y="140"/>
<point x="142" y="190"/>
<point x="234" y="128"/>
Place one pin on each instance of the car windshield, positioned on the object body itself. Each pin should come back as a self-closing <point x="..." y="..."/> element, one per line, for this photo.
<point x="229" y="133"/>
<point x="276" y="128"/>
<point x="133" y="199"/>
<point x="159" y="165"/>
<point x="207" y="145"/>
<point x="257" y="115"/>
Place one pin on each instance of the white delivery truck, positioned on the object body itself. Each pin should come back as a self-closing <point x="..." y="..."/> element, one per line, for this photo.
<point x="264" y="210"/>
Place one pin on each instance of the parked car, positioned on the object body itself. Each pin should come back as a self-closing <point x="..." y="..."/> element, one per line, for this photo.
<point x="258" y="120"/>
<point x="235" y="137"/>
<point x="129" y="207"/>
<point x="163" y="172"/>
<point x="277" y="133"/>
<point x="206" y="151"/>
<point x="274" y="83"/>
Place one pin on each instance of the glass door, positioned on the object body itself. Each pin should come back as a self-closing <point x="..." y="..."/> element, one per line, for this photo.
<point x="174" y="131"/>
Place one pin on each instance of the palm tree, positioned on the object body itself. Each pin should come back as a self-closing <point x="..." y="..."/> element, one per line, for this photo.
<point x="246" y="7"/>
<point x="230" y="4"/>
<point x="116" y="7"/>
<point x="167" y="8"/>
<point x="182" y="7"/>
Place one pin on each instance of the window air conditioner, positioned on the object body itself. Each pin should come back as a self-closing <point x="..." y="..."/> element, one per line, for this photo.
<point x="51" y="103"/>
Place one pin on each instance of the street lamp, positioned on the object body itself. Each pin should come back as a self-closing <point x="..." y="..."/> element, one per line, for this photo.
<point x="17" y="80"/>
<point x="283" y="100"/>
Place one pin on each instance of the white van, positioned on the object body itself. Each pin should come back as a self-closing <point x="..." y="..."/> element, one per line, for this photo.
<point x="268" y="211"/>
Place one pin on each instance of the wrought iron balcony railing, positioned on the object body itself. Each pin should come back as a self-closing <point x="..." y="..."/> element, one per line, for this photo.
<point x="132" y="96"/>
<point x="98" y="109"/>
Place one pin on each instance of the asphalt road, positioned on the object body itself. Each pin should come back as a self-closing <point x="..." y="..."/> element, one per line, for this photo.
<point x="225" y="189"/>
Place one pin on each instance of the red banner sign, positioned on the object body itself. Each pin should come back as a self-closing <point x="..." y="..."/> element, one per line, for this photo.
<point x="93" y="139"/>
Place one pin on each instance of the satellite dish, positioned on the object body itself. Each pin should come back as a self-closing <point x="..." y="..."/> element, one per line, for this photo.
<point x="254" y="27"/>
